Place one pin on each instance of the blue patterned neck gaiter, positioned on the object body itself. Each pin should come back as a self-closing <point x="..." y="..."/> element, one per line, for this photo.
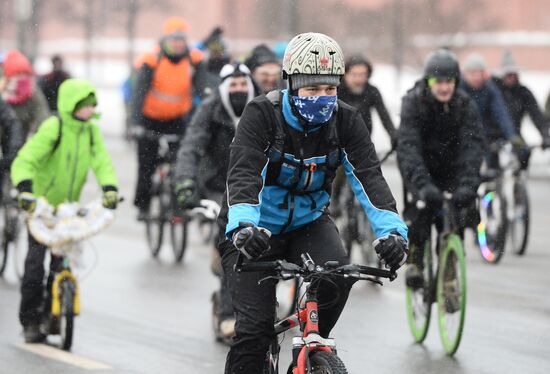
<point x="315" y="109"/>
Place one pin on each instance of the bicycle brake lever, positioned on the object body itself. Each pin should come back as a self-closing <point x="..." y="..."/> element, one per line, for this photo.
<point x="267" y="278"/>
<point x="374" y="280"/>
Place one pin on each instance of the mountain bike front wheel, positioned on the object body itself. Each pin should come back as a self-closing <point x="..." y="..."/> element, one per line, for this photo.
<point x="154" y="225"/>
<point x="66" y="319"/>
<point x="4" y="243"/>
<point x="491" y="231"/>
<point x="326" y="362"/>
<point x="451" y="293"/>
<point x="3" y="256"/>
<point x="178" y="237"/>
<point x="419" y="300"/>
<point x="519" y="224"/>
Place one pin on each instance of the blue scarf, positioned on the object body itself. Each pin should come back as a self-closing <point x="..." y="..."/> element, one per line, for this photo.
<point x="319" y="120"/>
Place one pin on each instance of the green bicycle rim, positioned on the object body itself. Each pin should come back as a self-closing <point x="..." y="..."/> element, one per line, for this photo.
<point x="420" y="330"/>
<point x="450" y="343"/>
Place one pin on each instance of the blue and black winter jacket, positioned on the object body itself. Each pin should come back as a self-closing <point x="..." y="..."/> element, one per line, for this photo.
<point x="281" y="180"/>
<point x="496" y="120"/>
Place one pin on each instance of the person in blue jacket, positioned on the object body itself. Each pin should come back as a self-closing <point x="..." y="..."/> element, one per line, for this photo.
<point x="282" y="163"/>
<point x="496" y="120"/>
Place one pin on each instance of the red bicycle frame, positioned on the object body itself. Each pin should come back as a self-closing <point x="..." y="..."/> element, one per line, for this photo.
<point x="310" y="341"/>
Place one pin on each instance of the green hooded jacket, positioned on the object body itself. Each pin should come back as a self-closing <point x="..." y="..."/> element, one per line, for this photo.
<point x="59" y="173"/>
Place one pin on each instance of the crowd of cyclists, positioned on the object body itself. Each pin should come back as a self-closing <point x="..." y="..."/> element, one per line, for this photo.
<point x="271" y="140"/>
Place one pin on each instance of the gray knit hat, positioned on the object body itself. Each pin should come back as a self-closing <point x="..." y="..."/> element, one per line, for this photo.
<point x="508" y="64"/>
<point x="474" y="62"/>
<point x="305" y="80"/>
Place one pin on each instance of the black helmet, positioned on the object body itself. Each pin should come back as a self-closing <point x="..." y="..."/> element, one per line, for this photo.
<point x="442" y="64"/>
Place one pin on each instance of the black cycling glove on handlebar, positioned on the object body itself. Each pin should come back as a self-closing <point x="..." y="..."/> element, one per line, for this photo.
<point x="392" y="249"/>
<point x="252" y="241"/>
<point x="431" y="195"/>
<point x="186" y="194"/>
<point x="464" y="196"/>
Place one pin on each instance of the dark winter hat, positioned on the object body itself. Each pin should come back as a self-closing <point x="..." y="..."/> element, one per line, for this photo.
<point x="261" y="55"/>
<point x="358" y="60"/>
<point x="306" y="80"/>
<point x="57" y="58"/>
<point x="88" y="101"/>
<point x="441" y="63"/>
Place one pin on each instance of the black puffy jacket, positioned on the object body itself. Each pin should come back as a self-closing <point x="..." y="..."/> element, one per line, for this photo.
<point x="439" y="143"/>
<point x="519" y="102"/>
<point x="365" y="102"/>
<point x="204" y="152"/>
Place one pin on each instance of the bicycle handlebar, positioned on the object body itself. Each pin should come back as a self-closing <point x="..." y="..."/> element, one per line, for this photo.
<point x="447" y="197"/>
<point x="208" y="208"/>
<point x="287" y="270"/>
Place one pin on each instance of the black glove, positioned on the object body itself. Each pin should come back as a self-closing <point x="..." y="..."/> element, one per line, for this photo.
<point x="186" y="194"/>
<point x="392" y="250"/>
<point x="464" y="197"/>
<point x="252" y="241"/>
<point x="431" y="195"/>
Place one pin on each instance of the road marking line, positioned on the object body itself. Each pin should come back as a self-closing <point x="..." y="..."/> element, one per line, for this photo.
<point x="63" y="356"/>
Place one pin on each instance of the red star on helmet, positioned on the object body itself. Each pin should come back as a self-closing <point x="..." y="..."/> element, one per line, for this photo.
<point x="324" y="61"/>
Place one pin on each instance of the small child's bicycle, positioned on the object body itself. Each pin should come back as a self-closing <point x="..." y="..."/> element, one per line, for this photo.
<point x="63" y="230"/>
<point x="311" y="353"/>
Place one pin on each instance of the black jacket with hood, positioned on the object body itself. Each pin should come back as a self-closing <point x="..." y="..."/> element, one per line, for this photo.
<point x="521" y="101"/>
<point x="365" y="102"/>
<point x="439" y="143"/>
<point x="204" y="152"/>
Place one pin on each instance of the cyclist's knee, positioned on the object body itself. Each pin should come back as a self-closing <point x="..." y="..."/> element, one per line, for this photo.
<point x="247" y="355"/>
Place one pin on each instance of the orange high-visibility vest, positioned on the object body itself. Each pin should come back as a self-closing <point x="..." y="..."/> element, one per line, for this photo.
<point x="170" y="95"/>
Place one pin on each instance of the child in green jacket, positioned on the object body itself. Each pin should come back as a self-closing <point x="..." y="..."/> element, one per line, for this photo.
<point x="54" y="164"/>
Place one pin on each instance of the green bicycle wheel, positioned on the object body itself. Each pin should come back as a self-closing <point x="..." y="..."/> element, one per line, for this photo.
<point x="451" y="293"/>
<point x="419" y="300"/>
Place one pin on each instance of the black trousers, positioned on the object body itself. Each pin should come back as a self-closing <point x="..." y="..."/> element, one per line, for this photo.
<point x="148" y="161"/>
<point x="33" y="303"/>
<point x="419" y="222"/>
<point x="254" y="304"/>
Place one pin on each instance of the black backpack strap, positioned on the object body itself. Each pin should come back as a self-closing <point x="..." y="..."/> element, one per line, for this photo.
<point x="92" y="143"/>
<point x="334" y="150"/>
<point x="276" y="149"/>
<point x="59" y="134"/>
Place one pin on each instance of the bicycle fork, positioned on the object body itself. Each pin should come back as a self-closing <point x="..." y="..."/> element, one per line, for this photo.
<point x="61" y="277"/>
<point x="311" y="341"/>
